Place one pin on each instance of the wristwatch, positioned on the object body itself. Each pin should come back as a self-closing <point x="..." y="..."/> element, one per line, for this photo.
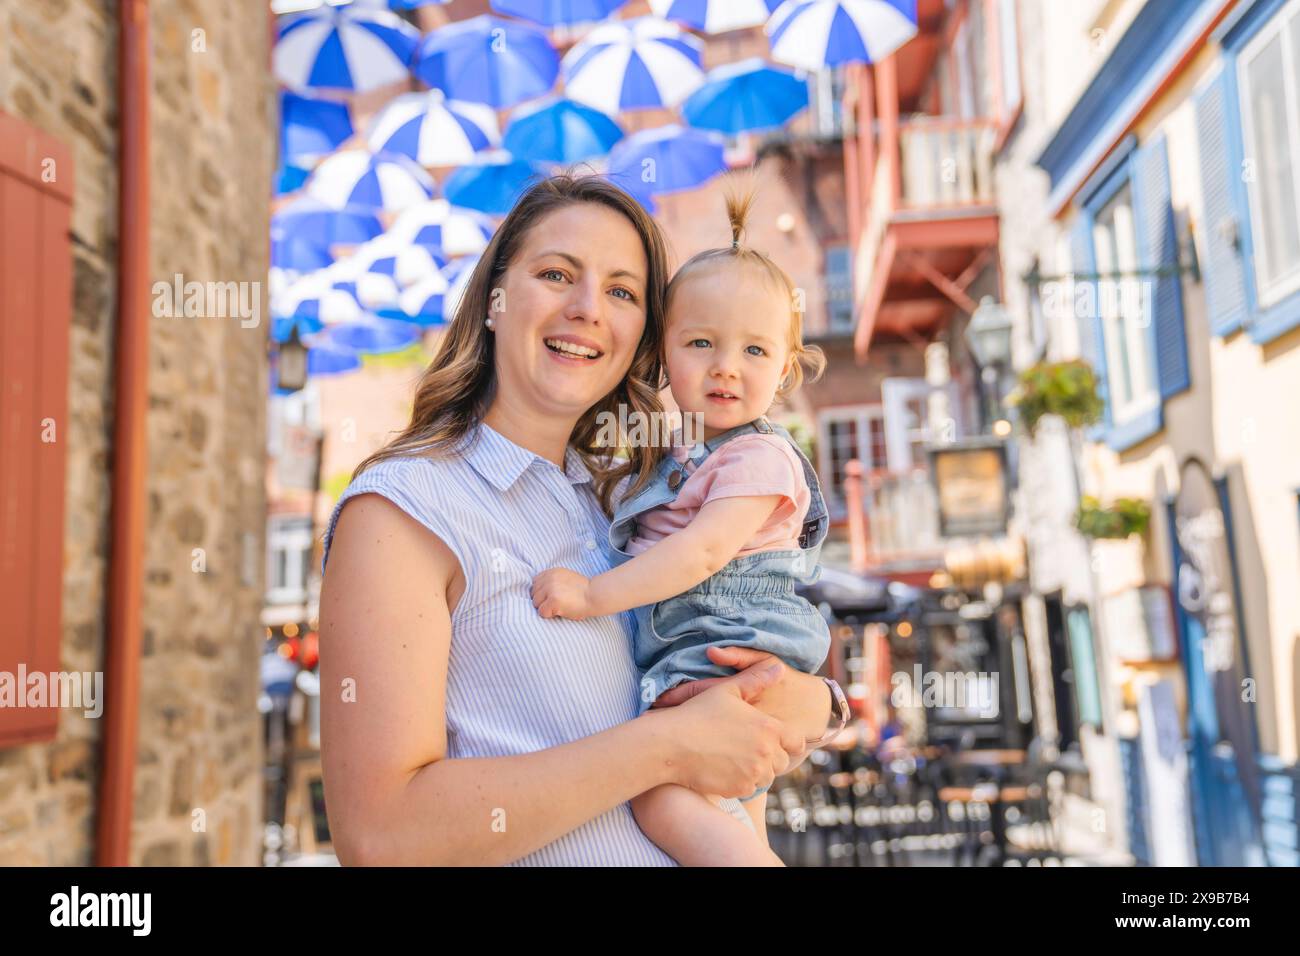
<point x="839" y="714"/>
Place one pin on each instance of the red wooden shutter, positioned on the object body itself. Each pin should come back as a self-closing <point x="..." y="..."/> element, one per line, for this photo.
<point x="35" y="314"/>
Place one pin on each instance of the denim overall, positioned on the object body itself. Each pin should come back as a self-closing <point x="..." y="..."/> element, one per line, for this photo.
<point x="750" y="602"/>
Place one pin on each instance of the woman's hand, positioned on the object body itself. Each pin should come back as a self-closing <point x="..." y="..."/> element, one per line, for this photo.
<point x="559" y="592"/>
<point x="727" y="746"/>
<point x="800" y="700"/>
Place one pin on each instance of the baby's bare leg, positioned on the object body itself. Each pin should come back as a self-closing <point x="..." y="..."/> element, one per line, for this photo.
<point x="695" y="832"/>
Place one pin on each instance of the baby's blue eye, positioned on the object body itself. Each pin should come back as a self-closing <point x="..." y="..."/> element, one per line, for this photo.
<point x="698" y="341"/>
<point x="759" y="349"/>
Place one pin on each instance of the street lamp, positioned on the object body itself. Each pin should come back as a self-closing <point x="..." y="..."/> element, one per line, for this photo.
<point x="291" y="369"/>
<point x="988" y="334"/>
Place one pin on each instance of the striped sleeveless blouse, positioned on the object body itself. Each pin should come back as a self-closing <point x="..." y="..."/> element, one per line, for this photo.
<point x="517" y="683"/>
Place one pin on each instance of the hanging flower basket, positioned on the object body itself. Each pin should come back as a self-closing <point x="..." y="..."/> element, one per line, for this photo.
<point x="1067" y="389"/>
<point x="1126" y="516"/>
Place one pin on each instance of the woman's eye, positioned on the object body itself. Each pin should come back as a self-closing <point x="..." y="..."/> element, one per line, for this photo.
<point x="755" y="350"/>
<point x="553" y="272"/>
<point x="696" y="342"/>
<point x="628" y="293"/>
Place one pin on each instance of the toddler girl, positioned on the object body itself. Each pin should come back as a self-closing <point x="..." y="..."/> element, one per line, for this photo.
<point x="710" y="549"/>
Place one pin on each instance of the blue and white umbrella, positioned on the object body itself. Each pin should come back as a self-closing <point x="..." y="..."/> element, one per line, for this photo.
<point x="289" y="179"/>
<point x="633" y="64"/>
<point x="491" y="184"/>
<point x="554" y="13"/>
<point x="458" y="274"/>
<point x="423" y="303"/>
<point x="371" y="334"/>
<point x="443" y="229"/>
<point x="297" y="6"/>
<point x="311" y="129"/>
<point x="488" y="60"/>
<point x="317" y="297"/>
<point x="815" y="34"/>
<point x="667" y="159"/>
<point x="307" y="218"/>
<point x="401" y="263"/>
<point x="433" y="130"/>
<point x="388" y="182"/>
<point x="716" y="16"/>
<point x="282" y="327"/>
<point x="298" y="253"/>
<point x="747" y="96"/>
<point x="561" y="131"/>
<point x="344" y="48"/>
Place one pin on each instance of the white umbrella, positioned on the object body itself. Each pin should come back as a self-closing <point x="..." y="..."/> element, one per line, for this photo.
<point x="433" y="130"/>
<point x="633" y="64"/>
<point x="389" y="181"/>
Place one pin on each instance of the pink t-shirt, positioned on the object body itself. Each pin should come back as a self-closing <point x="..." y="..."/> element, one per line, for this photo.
<point x="750" y="465"/>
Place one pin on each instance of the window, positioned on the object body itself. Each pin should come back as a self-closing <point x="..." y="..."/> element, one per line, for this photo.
<point x="845" y="434"/>
<point x="1123" y="309"/>
<point x="839" y="289"/>
<point x="826" y="97"/>
<point x="1008" y="38"/>
<point x="288" y="566"/>
<point x="1268" y="73"/>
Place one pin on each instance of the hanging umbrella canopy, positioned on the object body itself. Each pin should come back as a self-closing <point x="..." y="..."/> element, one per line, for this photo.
<point x="325" y="358"/>
<point x="343" y="48"/>
<point x="307" y="218"/>
<point x="816" y="34"/>
<point x="458" y="273"/>
<point x="311" y="129"/>
<point x="297" y="253"/>
<point x="443" y="229"/>
<point x="282" y="327"/>
<point x="716" y="16"/>
<point x="558" y="130"/>
<point x="667" y="159"/>
<point x="488" y="60"/>
<point x="317" y="296"/>
<point x="388" y="182"/>
<point x="433" y="130"/>
<point x="371" y="334"/>
<point x="554" y="13"/>
<point x="424" y="302"/>
<point x="745" y="97"/>
<point x="387" y="256"/>
<point x="297" y="6"/>
<point x="633" y="64"/>
<point x="492" y="184"/>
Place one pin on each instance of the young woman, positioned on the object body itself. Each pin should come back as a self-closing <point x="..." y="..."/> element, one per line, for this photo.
<point x="458" y="726"/>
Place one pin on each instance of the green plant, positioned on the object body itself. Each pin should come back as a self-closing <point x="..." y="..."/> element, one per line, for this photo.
<point x="1067" y="389"/>
<point x="1124" y="517"/>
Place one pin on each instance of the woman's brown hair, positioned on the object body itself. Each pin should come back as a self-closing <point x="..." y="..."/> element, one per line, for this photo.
<point x="739" y="199"/>
<point x="457" y="388"/>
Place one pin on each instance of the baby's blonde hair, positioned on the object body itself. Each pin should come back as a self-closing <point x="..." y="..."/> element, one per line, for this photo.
<point x="740" y="201"/>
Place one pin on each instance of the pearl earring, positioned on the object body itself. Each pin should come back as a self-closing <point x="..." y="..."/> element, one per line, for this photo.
<point x="489" y="323"/>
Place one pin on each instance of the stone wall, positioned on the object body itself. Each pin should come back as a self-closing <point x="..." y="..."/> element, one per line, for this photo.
<point x="212" y="152"/>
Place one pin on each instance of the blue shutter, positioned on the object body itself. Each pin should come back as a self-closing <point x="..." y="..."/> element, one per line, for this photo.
<point x="1158" y="248"/>
<point x="1092" y="349"/>
<point x="1224" y="271"/>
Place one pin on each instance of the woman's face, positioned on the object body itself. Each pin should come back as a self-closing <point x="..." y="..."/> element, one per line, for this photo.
<point x="570" y="310"/>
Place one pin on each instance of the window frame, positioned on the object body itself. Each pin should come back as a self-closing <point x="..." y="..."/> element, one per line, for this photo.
<point x="284" y="534"/>
<point x="861" y="415"/>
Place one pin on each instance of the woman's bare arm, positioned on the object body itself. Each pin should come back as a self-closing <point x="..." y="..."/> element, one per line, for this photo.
<point x="394" y="798"/>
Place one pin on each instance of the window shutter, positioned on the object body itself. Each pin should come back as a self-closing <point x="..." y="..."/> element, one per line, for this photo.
<point x="1224" y="270"/>
<point x="1158" y="248"/>
<point x="35" y="315"/>
<point x="1091" y="347"/>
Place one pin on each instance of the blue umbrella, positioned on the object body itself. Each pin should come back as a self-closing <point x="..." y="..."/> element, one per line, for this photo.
<point x="311" y="129"/>
<point x="667" y="159"/>
<point x="343" y="48"/>
<point x="423" y="303"/>
<point x="491" y="185"/>
<point x="815" y="34"/>
<point x="443" y="229"/>
<point x="298" y="253"/>
<point x="488" y="60"/>
<point x="282" y="326"/>
<point x="746" y="96"/>
<point x="389" y="182"/>
<point x="371" y="334"/>
<point x="433" y="130"/>
<point x="560" y="131"/>
<point x="716" y="16"/>
<point x="289" y="179"/>
<point x="633" y="64"/>
<point x="311" y="220"/>
<point x="325" y="358"/>
<point x="554" y="13"/>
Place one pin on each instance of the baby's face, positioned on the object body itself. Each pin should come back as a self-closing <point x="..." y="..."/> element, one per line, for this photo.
<point x="727" y="346"/>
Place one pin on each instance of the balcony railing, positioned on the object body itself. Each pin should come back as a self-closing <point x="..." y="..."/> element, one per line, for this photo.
<point x="902" y="516"/>
<point x="945" y="162"/>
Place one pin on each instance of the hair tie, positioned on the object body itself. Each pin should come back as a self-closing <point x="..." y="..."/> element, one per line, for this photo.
<point x="735" y="243"/>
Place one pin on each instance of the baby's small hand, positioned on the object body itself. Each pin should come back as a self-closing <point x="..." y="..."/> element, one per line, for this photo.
<point x="559" y="592"/>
